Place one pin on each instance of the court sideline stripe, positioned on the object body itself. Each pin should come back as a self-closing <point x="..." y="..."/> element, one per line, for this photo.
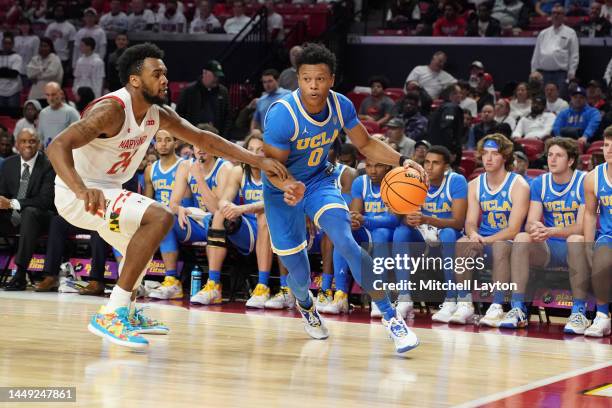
<point x="528" y="387"/>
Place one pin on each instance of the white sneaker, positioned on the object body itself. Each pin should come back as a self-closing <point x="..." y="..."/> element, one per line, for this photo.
<point x="447" y="309"/>
<point x="314" y="324"/>
<point x="494" y="316"/>
<point x="405" y="309"/>
<point x="464" y="313"/>
<point x="171" y="288"/>
<point x="514" y="319"/>
<point x="209" y="295"/>
<point x="260" y="295"/>
<point x="339" y="305"/>
<point x="576" y="324"/>
<point x="374" y="310"/>
<point x="324" y="300"/>
<point x="284" y="299"/>
<point x="403" y="338"/>
<point x="600" y="327"/>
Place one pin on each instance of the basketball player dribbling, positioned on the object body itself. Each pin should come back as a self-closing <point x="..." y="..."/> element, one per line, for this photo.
<point x="94" y="156"/>
<point x="300" y="128"/>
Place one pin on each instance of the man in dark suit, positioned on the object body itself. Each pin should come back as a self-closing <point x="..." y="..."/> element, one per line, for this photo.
<point x="26" y="200"/>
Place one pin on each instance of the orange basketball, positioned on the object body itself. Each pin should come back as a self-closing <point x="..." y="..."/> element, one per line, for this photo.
<point x="403" y="192"/>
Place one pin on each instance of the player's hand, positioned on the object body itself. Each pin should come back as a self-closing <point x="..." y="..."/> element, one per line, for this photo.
<point x="476" y="238"/>
<point x="357" y="220"/>
<point x="414" y="219"/>
<point x="408" y="164"/>
<point x="182" y="217"/>
<point x="231" y="211"/>
<point x="273" y="167"/>
<point x="95" y="203"/>
<point x="5" y="203"/>
<point x="540" y="233"/>
<point x="294" y="193"/>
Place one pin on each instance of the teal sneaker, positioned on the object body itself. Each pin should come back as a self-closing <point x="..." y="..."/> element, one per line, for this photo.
<point x="115" y="327"/>
<point x="142" y="324"/>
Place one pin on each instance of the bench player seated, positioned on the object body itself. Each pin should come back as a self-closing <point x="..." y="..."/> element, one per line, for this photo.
<point x="159" y="181"/>
<point x="202" y="176"/>
<point x="243" y="225"/>
<point x="598" y="236"/>
<point x="440" y="221"/>
<point x="371" y="224"/>
<point x="501" y="198"/>
<point x="554" y="220"/>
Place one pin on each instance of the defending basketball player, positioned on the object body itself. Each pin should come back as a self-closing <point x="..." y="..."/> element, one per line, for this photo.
<point x="501" y="197"/>
<point x="299" y="130"/>
<point x="558" y="198"/>
<point x="95" y="155"/>
<point x="440" y="221"/>
<point x="598" y="193"/>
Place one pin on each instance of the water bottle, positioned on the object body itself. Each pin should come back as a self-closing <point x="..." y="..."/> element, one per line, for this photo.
<point x="196" y="280"/>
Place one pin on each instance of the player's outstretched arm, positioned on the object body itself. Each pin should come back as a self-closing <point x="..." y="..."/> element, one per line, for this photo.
<point x="590" y="207"/>
<point x="104" y="119"/>
<point x="215" y="144"/>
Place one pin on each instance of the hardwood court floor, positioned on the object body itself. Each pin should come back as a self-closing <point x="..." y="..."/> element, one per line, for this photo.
<point x="216" y="359"/>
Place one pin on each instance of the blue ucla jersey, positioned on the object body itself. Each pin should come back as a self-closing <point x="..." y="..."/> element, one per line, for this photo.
<point x="370" y="194"/>
<point x="604" y="199"/>
<point x="211" y="181"/>
<point x="560" y="202"/>
<point x="495" y="205"/>
<point x="289" y="127"/>
<point x="250" y="192"/>
<point x="439" y="201"/>
<point x="163" y="181"/>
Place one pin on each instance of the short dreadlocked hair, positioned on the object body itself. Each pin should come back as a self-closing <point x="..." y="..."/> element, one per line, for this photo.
<point x="314" y="54"/>
<point x="132" y="59"/>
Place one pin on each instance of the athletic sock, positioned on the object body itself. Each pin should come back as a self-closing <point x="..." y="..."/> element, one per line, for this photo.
<point x="341" y="282"/>
<point x="263" y="277"/>
<point x="118" y="298"/>
<point x="326" y="284"/>
<point x="172" y="272"/>
<point x="605" y="308"/>
<point x="283" y="281"/>
<point x="464" y="296"/>
<point x="518" y="300"/>
<point x="305" y="304"/>
<point x="498" y="297"/>
<point x="385" y="308"/>
<point x="579" y="306"/>
<point x="214" y="276"/>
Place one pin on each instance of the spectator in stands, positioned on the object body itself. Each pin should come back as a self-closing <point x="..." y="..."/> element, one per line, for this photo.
<point x="538" y="124"/>
<point x="235" y="24"/>
<point x="432" y="77"/>
<point x="10" y="81"/>
<point x="272" y="93"/>
<point x="396" y="135"/>
<point x="62" y="33"/>
<point x="502" y="113"/>
<point x="288" y="78"/>
<point x="6" y="145"/>
<point x="26" y="200"/>
<point x="112" y="73"/>
<point x="510" y="13"/>
<point x="595" y="95"/>
<point x="275" y="22"/>
<point x="59" y="232"/>
<point x="43" y="68"/>
<point x="140" y="18"/>
<point x="579" y="121"/>
<point x="483" y="25"/>
<point x="520" y="105"/>
<point x="172" y="20"/>
<point x="207" y="101"/>
<point x="415" y="124"/>
<point x="89" y="70"/>
<point x="420" y="151"/>
<point x="57" y="116"/>
<point x="556" y="52"/>
<point x="554" y="104"/>
<point x="91" y="30"/>
<point x="482" y="93"/>
<point x="606" y="10"/>
<point x="535" y="84"/>
<point x="83" y="97"/>
<point x="467" y="127"/>
<point x="403" y="13"/>
<point x="31" y="110"/>
<point x="26" y="43"/>
<point x="377" y="106"/>
<point x="544" y="7"/>
<point x="595" y="25"/>
<point x="577" y="7"/>
<point x="521" y="164"/>
<point x="486" y="126"/>
<point x="446" y="124"/>
<point x="424" y="103"/>
<point x="206" y="22"/>
<point x="477" y="69"/>
<point x="115" y="20"/>
<point x="450" y="24"/>
<point x="467" y="103"/>
<point x="36" y="11"/>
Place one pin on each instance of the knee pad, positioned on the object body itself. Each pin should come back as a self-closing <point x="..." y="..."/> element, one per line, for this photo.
<point x="231" y="226"/>
<point x="217" y="238"/>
